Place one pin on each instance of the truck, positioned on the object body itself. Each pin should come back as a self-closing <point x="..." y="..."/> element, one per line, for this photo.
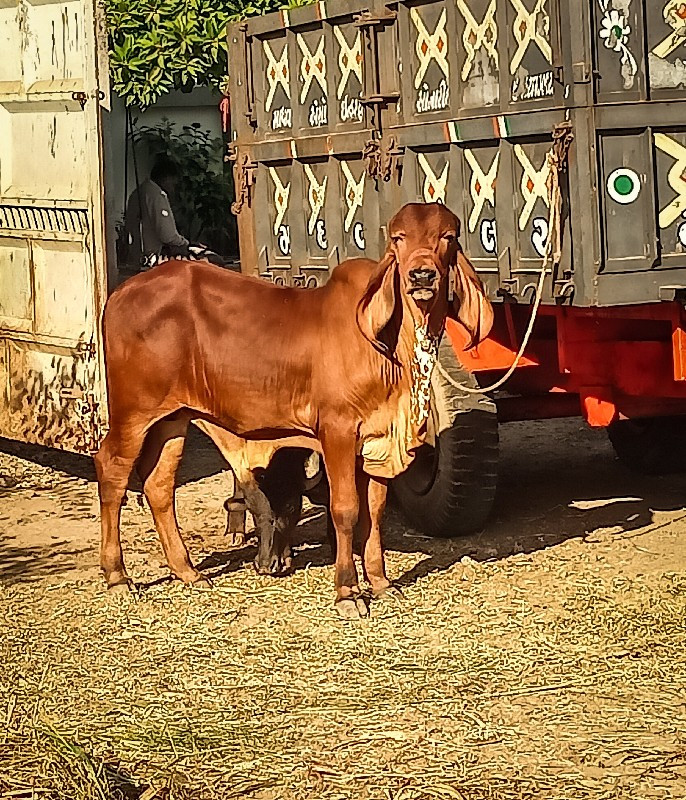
<point x="342" y="112"/>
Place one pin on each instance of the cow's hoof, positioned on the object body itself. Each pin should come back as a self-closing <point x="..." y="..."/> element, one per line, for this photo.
<point x="352" y="608"/>
<point x="286" y="562"/>
<point x="389" y="594"/>
<point x="261" y="569"/>
<point x="276" y="568"/>
<point x="202" y="583"/>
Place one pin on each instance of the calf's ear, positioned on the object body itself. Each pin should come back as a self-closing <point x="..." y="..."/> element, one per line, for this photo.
<point x="375" y="309"/>
<point x="469" y="304"/>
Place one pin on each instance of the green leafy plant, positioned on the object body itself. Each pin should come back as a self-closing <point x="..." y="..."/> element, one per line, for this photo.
<point x="202" y="205"/>
<point x="160" y="45"/>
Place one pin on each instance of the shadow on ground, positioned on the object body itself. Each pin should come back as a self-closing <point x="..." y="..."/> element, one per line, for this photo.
<point x="201" y="459"/>
<point x="559" y="480"/>
<point x="24" y="564"/>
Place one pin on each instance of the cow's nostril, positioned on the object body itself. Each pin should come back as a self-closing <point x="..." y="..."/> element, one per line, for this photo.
<point x="424" y="276"/>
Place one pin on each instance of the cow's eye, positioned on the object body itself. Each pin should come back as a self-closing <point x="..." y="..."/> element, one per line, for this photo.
<point x="396" y="238"/>
<point x="449" y="237"/>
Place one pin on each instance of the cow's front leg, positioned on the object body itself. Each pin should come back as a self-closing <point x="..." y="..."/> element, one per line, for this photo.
<point x="339" y="460"/>
<point x="372" y="493"/>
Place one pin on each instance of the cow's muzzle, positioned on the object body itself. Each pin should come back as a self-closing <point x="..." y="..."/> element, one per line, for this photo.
<point x="423" y="283"/>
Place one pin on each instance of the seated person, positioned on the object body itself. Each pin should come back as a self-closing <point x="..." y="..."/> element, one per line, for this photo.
<point x="149" y="227"/>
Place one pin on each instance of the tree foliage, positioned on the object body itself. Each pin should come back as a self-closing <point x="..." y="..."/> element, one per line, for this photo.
<point x="160" y="45"/>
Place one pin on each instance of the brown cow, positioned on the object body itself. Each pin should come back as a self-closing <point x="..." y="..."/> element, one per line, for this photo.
<point x="343" y="370"/>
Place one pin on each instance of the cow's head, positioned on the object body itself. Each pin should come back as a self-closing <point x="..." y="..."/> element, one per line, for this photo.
<point x="425" y="269"/>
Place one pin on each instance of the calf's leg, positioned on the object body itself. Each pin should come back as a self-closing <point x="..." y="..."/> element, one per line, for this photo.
<point x="157" y="467"/>
<point x="234" y="450"/>
<point x="235" y="517"/>
<point x="339" y="460"/>
<point x="113" y="465"/>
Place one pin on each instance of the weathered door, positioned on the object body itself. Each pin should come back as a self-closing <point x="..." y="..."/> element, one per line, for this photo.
<point x="52" y="268"/>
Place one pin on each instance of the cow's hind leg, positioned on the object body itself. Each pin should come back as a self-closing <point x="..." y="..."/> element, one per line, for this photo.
<point x="157" y="468"/>
<point x="113" y="465"/>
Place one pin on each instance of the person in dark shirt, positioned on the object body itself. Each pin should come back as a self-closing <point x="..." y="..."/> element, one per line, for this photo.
<point x="150" y="232"/>
<point x="150" y="226"/>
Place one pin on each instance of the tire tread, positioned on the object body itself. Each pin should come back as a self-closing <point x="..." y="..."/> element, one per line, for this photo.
<point x="462" y="494"/>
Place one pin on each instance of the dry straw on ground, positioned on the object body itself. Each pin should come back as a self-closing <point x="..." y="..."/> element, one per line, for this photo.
<point x="486" y="683"/>
<point x="551" y="666"/>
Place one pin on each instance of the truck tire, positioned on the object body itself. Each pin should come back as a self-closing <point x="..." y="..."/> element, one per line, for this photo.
<point x="651" y="445"/>
<point x="449" y="488"/>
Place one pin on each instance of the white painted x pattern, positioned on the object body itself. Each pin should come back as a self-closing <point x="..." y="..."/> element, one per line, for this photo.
<point x="316" y="194"/>
<point x="312" y="66"/>
<point x="349" y="60"/>
<point x="533" y="185"/>
<point x="527" y="28"/>
<point x="430" y="46"/>
<point x="434" y="187"/>
<point x="277" y="73"/>
<point x="281" y="194"/>
<point x="676" y="178"/>
<point x="354" y="194"/>
<point x="477" y="35"/>
<point x="481" y="187"/>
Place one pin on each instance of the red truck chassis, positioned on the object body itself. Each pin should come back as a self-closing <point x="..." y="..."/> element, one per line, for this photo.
<point x="603" y="363"/>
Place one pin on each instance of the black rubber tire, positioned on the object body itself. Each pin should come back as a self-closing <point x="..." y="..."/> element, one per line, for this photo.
<point x="449" y="490"/>
<point x="651" y="445"/>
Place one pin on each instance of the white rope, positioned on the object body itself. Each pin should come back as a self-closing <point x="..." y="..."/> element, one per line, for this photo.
<point x="556" y="159"/>
<point x="525" y="341"/>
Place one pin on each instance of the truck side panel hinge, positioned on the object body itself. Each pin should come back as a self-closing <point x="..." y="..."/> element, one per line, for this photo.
<point x="244" y="172"/>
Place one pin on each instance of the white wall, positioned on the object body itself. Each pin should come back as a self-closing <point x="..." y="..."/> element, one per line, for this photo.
<point x="200" y="105"/>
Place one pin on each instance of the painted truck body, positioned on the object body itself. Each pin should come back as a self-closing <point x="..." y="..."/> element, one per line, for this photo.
<point x="341" y="112"/>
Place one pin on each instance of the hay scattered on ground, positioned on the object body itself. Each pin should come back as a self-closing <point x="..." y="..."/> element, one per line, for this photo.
<point x="528" y="677"/>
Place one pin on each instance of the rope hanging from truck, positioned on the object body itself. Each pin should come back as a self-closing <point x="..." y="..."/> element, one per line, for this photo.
<point x="557" y="163"/>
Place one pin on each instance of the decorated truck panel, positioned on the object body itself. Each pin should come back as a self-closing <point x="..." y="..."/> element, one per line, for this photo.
<point x="341" y="112"/>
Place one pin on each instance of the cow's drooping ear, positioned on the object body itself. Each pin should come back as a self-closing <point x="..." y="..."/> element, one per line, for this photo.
<point x="375" y="309"/>
<point x="469" y="304"/>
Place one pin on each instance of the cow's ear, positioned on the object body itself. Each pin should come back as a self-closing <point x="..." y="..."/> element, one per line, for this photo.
<point x="469" y="304"/>
<point x="375" y="309"/>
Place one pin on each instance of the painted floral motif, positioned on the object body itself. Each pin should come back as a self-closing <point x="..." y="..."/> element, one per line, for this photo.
<point x="675" y="16"/>
<point x="615" y="32"/>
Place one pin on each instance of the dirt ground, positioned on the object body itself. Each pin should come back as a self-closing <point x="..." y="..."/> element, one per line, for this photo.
<point x="543" y="658"/>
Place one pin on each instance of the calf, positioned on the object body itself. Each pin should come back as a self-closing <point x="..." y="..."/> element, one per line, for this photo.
<point x="344" y="370"/>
